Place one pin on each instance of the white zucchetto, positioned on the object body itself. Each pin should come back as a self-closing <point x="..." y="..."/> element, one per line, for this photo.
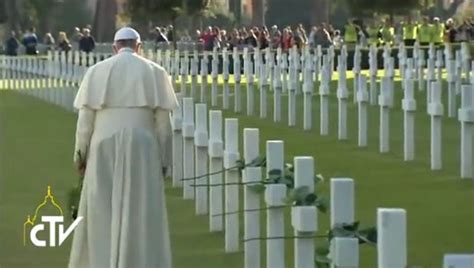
<point x="127" y="33"/>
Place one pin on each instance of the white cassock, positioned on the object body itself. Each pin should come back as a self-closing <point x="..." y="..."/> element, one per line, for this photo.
<point x="124" y="107"/>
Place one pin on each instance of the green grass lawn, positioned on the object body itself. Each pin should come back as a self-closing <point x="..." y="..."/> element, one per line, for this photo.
<point x="37" y="142"/>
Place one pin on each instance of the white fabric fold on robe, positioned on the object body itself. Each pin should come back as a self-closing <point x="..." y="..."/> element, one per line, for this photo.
<point x="127" y="138"/>
<point x="123" y="204"/>
<point x="85" y="128"/>
<point x="126" y="80"/>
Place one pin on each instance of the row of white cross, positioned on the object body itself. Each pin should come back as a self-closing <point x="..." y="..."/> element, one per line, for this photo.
<point x="197" y="143"/>
<point x="381" y="94"/>
<point x="343" y="250"/>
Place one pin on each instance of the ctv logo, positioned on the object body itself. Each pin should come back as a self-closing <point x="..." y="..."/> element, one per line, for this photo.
<point x="52" y="220"/>
<point x="43" y="234"/>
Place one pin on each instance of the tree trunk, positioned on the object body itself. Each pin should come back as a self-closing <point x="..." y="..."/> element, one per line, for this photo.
<point x="13" y="16"/>
<point x="257" y="12"/>
<point x="439" y="8"/>
<point x="3" y="11"/>
<point x="453" y="8"/>
<point x="235" y="6"/>
<point x="104" y="20"/>
<point x="321" y="12"/>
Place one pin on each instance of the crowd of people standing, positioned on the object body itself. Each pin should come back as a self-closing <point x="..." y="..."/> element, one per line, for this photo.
<point x="364" y="33"/>
<point x="81" y="40"/>
<point x="216" y="37"/>
<point x="409" y="32"/>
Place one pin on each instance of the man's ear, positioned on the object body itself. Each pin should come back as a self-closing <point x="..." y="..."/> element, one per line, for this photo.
<point x="138" y="48"/>
<point x="114" y="48"/>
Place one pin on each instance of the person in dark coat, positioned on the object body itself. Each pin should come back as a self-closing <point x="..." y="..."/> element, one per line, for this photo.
<point x="160" y="36"/>
<point x="11" y="45"/>
<point x="251" y="39"/>
<point x="76" y="38"/>
<point x="450" y="31"/>
<point x="322" y="36"/>
<point x="30" y="41"/>
<point x="160" y="39"/>
<point x="87" y="42"/>
<point x="264" y="39"/>
<point x="170" y="34"/>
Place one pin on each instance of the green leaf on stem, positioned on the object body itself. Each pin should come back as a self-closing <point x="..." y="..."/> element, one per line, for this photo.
<point x="322" y="261"/>
<point x="289" y="167"/>
<point x="322" y="250"/>
<point x="240" y="164"/>
<point x="301" y="196"/>
<point x="73" y="202"/>
<point x="367" y="235"/>
<point x="260" y="161"/>
<point x="322" y="204"/>
<point x="310" y="199"/>
<point x="274" y="173"/>
<point x="353" y="227"/>
<point x="287" y="180"/>
<point x="318" y="178"/>
<point x="295" y="195"/>
<point x="74" y="195"/>
<point x="257" y="188"/>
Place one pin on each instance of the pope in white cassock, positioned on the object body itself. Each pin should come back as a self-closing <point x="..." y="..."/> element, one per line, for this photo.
<point x="123" y="133"/>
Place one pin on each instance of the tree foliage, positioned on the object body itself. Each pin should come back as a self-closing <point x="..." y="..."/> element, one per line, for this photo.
<point x="45" y="15"/>
<point x="150" y="9"/>
<point x="195" y="7"/>
<point x="278" y="13"/>
<point x="383" y="6"/>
